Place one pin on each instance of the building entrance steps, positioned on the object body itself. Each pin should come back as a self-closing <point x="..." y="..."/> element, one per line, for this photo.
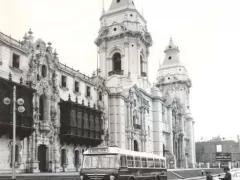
<point x="192" y="174"/>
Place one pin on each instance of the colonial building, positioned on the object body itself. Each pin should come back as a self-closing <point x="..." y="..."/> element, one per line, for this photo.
<point x="67" y="111"/>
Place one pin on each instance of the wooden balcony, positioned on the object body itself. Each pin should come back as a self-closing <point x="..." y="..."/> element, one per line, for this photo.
<point x="81" y="136"/>
<point x="80" y="124"/>
<point x="117" y="72"/>
<point x="24" y="121"/>
<point x="24" y="125"/>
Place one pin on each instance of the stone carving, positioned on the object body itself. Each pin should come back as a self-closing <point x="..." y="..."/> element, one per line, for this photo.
<point x="55" y="82"/>
<point x="53" y="112"/>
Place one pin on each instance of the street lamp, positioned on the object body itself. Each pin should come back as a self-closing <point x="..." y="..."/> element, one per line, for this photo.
<point x="21" y="109"/>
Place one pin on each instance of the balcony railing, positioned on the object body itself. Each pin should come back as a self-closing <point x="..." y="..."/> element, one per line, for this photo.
<point x="24" y="125"/>
<point x="81" y="133"/>
<point x="117" y="72"/>
<point x="143" y="74"/>
<point x="137" y="126"/>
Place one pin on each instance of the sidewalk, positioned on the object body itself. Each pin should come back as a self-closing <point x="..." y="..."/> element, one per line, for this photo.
<point x="43" y="174"/>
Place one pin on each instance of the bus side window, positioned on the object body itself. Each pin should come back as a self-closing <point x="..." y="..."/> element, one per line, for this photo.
<point x="123" y="161"/>
<point x="137" y="162"/>
<point x="130" y="162"/>
<point x="150" y="163"/>
<point x="162" y="163"/>
<point x="157" y="163"/>
<point x="144" y="162"/>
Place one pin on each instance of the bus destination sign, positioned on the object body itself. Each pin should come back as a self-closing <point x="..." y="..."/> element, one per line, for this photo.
<point x="99" y="150"/>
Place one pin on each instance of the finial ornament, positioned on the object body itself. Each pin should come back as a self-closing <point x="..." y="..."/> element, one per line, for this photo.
<point x="55" y="53"/>
<point x="25" y="36"/>
<point x="103" y="6"/>
<point x="30" y="32"/>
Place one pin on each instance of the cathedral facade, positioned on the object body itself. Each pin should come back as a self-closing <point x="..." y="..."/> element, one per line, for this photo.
<point x="67" y="112"/>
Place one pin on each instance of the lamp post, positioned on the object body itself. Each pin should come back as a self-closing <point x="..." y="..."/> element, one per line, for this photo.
<point x="21" y="109"/>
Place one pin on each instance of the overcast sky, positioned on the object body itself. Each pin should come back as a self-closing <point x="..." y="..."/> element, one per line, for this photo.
<point x="206" y="31"/>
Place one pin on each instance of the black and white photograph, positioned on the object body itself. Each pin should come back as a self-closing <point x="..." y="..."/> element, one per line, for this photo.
<point x="119" y="90"/>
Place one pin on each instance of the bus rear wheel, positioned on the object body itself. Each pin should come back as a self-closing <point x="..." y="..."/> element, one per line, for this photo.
<point x="131" y="178"/>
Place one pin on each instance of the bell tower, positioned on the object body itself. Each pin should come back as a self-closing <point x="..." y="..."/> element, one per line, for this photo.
<point x="173" y="80"/>
<point x="123" y="41"/>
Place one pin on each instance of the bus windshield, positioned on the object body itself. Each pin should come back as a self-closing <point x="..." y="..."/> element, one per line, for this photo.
<point x="100" y="161"/>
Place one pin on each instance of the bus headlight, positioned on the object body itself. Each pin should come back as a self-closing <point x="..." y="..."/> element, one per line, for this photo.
<point x="111" y="177"/>
<point x="81" y="177"/>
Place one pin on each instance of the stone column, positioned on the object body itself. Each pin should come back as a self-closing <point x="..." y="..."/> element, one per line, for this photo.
<point x="114" y="120"/>
<point x="128" y="115"/>
<point x="126" y="59"/>
<point x="193" y="142"/>
<point x="170" y="141"/>
<point x="56" y="152"/>
<point x="184" y="158"/>
<point x="131" y="114"/>
<point x="34" y="150"/>
<point x="144" y="120"/>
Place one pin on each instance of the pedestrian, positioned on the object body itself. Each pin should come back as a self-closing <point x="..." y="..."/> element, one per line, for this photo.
<point x="202" y="172"/>
<point x="228" y="175"/>
<point x="209" y="176"/>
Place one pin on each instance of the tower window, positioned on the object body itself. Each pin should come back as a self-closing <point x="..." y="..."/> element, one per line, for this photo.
<point x="15" y="61"/>
<point x="64" y="81"/>
<point x="131" y="15"/>
<point x="44" y="71"/>
<point x="76" y="86"/>
<point x="115" y="29"/>
<point x="169" y="78"/>
<point x="170" y="57"/>
<point x="132" y="45"/>
<point x="170" y="47"/>
<point x="100" y="96"/>
<point x="88" y="91"/>
<point x="117" y="62"/>
<point x="118" y="1"/>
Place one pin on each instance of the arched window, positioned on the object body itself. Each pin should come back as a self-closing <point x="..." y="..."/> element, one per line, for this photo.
<point x="44" y="71"/>
<point x="100" y="96"/>
<point x="38" y="77"/>
<point x="134" y="119"/>
<point x="63" y="157"/>
<point x="117" y="66"/>
<point x="164" y="151"/>
<point x="76" y="158"/>
<point x="43" y="107"/>
<point x="143" y="67"/>
<point x="141" y="62"/>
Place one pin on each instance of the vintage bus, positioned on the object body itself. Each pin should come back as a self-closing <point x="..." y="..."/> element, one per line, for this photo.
<point x="113" y="163"/>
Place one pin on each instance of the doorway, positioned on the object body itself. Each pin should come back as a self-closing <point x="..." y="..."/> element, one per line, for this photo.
<point x="42" y="158"/>
<point x="136" y="146"/>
